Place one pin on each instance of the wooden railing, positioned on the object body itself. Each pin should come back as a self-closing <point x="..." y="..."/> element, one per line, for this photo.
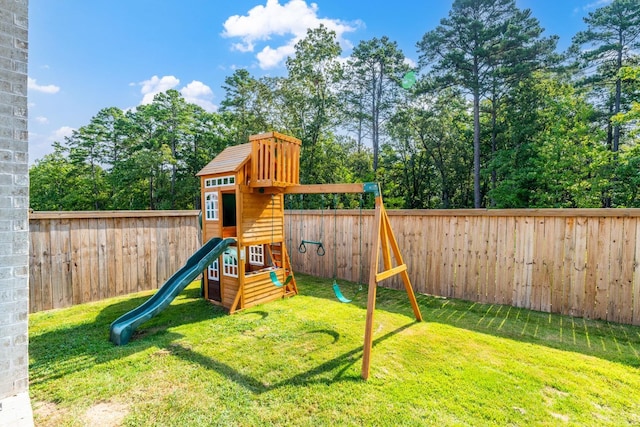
<point x="275" y="160"/>
<point x="77" y="257"/>
<point x="582" y="262"/>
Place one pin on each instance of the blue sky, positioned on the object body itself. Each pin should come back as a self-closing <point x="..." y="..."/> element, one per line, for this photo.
<point x="88" y="55"/>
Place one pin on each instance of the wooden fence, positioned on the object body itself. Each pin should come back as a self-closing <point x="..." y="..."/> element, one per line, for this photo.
<point x="580" y="262"/>
<point x="77" y="257"/>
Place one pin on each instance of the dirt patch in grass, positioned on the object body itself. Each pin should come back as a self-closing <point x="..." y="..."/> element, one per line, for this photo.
<point x="106" y="414"/>
<point x="47" y="414"/>
<point x="560" y="417"/>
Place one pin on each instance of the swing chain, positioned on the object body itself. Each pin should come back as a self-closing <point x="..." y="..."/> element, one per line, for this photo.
<point x="360" y="242"/>
<point x="320" y="250"/>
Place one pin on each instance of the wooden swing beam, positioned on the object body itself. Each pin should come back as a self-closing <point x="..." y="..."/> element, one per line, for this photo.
<point x="384" y="241"/>
<point x="325" y="188"/>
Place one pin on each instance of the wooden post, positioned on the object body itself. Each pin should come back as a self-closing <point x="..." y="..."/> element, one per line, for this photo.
<point x="403" y="273"/>
<point x="383" y="240"/>
<point x="371" y="298"/>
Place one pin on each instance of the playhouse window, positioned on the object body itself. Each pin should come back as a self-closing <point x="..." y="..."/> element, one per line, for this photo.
<point x="211" y="206"/>
<point x="230" y="263"/>
<point x="256" y="255"/>
<point x="220" y="182"/>
<point x="213" y="271"/>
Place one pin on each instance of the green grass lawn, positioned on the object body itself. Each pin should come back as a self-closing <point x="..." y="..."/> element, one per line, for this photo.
<point x="297" y="362"/>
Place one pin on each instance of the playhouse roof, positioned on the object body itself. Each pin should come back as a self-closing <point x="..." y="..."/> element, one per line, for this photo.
<point x="230" y="160"/>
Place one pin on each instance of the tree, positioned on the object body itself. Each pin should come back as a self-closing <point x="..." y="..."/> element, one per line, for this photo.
<point x="56" y="183"/>
<point x="309" y="95"/>
<point x="431" y="141"/>
<point x="612" y="38"/>
<point x="553" y="159"/>
<point x="629" y="74"/>
<point x="375" y="70"/>
<point x="483" y="43"/>
<point x="86" y="151"/>
<point x="247" y="102"/>
<point x="210" y="136"/>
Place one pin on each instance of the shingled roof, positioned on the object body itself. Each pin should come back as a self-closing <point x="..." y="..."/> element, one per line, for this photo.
<point x="230" y="160"/>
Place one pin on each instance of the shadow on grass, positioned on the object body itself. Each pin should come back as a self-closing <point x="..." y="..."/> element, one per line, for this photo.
<point x="79" y="347"/>
<point x="609" y="341"/>
<point x="332" y="334"/>
<point x="316" y="375"/>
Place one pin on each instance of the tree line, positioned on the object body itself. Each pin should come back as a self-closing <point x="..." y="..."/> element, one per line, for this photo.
<point x="495" y="117"/>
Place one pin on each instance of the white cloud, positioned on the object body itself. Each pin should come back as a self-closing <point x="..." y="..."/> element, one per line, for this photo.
<point x="41" y="144"/>
<point x="33" y="85"/>
<point x="269" y="57"/>
<point x="61" y="133"/>
<point x="200" y="94"/>
<point x="290" y="20"/>
<point x="596" y="4"/>
<point x="156" y="85"/>
<point x="195" y="92"/>
<point x="42" y="120"/>
<point x="410" y="62"/>
<point x="591" y="6"/>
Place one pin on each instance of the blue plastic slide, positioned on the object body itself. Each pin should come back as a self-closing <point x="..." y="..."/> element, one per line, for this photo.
<point x="122" y="328"/>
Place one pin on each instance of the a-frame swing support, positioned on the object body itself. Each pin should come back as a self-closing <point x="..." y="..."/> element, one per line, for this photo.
<point x="383" y="243"/>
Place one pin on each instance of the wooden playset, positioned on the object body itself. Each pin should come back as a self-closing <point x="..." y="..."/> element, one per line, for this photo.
<point x="244" y="256"/>
<point x="242" y="197"/>
<point x="243" y="192"/>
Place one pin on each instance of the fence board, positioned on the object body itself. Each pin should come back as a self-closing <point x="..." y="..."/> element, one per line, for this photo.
<point x="567" y="264"/>
<point x="163" y="250"/>
<point x="602" y="283"/>
<point x="152" y="250"/>
<point x="507" y="284"/>
<point x="39" y="266"/>
<point x="538" y="277"/>
<point x="103" y="259"/>
<point x="472" y="238"/>
<point x="459" y="258"/>
<point x="636" y="279"/>
<point x="110" y="255"/>
<point x="118" y="246"/>
<point x="483" y="248"/>
<point x="62" y="291"/>
<point x="557" y="264"/>
<point x="615" y="278"/>
<point x="546" y="262"/>
<point x="430" y="241"/>
<point x="142" y="254"/>
<point x="126" y="257"/>
<point x="447" y="249"/>
<point x="591" y="275"/>
<point x="577" y="294"/>
<point x="625" y="302"/>
<point x="492" y="260"/>
<point x="94" y="271"/>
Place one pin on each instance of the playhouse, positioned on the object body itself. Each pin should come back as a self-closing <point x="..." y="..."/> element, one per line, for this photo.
<point x="242" y="192"/>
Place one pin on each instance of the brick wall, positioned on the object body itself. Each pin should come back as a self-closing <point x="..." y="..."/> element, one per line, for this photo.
<point x="14" y="198"/>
